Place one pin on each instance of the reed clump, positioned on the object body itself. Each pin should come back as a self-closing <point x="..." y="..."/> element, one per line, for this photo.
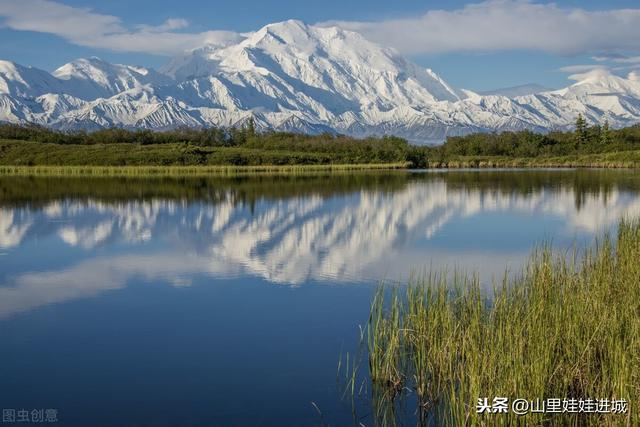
<point x="385" y="345"/>
<point x="566" y="327"/>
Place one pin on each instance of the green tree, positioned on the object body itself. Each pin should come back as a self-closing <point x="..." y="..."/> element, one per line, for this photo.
<point x="581" y="132"/>
<point x="251" y="128"/>
<point x="605" y="135"/>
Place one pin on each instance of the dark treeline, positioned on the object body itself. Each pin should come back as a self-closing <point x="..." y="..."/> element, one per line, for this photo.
<point x="238" y="146"/>
<point x="245" y="136"/>
<point x="246" y="146"/>
<point x="213" y="137"/>
<point x="584" y="140"/>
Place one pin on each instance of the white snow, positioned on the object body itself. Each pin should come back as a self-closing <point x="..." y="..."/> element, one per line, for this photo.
<point x="293" y="76"/>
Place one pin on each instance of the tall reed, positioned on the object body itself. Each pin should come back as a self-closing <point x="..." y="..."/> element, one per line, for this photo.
<point x="567" y="327"/>
<point x="385" y="344"/>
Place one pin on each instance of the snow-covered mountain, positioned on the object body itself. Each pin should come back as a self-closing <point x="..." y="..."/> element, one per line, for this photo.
<point x="295" y="77"/>
<point x="93" y="78"/>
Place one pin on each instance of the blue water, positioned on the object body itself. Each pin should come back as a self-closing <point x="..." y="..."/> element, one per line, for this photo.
<point x="192" y="302"/>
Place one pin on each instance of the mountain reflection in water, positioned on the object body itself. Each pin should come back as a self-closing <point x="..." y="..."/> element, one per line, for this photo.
<point x="345" y="228"/>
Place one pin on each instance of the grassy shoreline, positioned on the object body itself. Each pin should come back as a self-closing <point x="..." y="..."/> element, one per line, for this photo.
<point x="176" y="154"/>
<point x="123" y="171"/>
<point x="567" y="327"/>
<point x="613" y="160"/>
<point x="595" y="161"/>
<point x="19" y="157"/>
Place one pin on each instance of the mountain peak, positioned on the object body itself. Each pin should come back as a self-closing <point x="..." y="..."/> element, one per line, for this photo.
<point x="288" y="25"/>
<point x="601" y="80"/>
<point x="87" y="68"/>
<point x="18" y="80"/>
<point x="91" y="78"/>
<point x="6" y="66"/>
<point x="286" y="29"/>
<point x="595" y="75"/>
<point x="292" y="33"/>
<point x="14" y="71"/>
<point x="341" y="66"/>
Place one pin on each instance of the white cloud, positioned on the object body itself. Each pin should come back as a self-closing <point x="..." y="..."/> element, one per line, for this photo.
<point x="169" y="25"/>
<point x="505" y="25"/>
<point x="487" y="26"/>
<point x="606" y="57"/>
<point x="51" y="17"/>
<point x="618" y="59"/>
<point x="583" y="68"/>
<point x="633" y="60"/>
<point x="84" y="27"/>
<point x="586" y="72"/>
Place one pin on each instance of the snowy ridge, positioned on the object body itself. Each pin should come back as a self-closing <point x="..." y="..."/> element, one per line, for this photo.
<point x="295" y="77"/>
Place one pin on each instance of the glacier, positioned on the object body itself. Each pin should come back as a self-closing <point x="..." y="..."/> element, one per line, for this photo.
<point x="291" y="76"/>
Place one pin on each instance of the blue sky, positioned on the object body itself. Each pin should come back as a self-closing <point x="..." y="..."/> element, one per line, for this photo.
<point x="475" y="45"/>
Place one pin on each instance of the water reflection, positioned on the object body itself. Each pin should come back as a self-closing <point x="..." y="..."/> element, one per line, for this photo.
<point x="106" y="234"/>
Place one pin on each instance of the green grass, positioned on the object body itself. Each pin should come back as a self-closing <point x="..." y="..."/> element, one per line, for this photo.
<point x="187" y="171"/>
<point x="28" y="153"/>
<point x="130" y="159"/>
<point x="619" y="159"/>
<point x="384" y="342"/>
<point x="567" y="327"/>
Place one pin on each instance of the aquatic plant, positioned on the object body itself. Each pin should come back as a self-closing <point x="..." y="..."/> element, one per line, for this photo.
<point x="567" y="327"/>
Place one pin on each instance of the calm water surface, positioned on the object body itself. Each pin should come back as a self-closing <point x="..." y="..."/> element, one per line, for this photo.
<point x="219" y="301"/>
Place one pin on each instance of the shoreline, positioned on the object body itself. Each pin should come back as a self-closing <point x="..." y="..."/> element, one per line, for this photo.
<point x="528" y="164"/>
<point x="217" y="170"/>
<point x="231" y="170"/>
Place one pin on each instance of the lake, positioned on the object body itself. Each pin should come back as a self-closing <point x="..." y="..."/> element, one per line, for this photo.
<point x="228" y="301"/>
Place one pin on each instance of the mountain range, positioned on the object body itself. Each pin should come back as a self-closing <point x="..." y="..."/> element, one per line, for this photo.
<point x="292" y="76"/>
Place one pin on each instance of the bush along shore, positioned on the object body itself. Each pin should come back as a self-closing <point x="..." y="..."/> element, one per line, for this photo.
<point x="35" y="146"/>
<point x="567" y="328"/>
<point x="587" y="146"/>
